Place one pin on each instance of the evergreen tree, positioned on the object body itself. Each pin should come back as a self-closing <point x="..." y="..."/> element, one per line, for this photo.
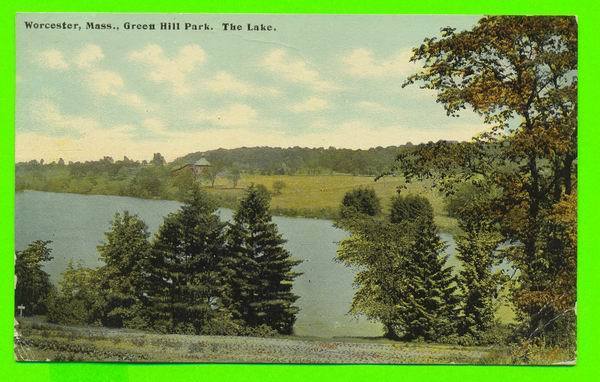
<point x="33" y="283"/>
<point x="260" y="268"/>
<point x="125" y="254"/>
<point x="430" y="306"/>
<point x="184" y="276"/>
<point x="476" y="250"/>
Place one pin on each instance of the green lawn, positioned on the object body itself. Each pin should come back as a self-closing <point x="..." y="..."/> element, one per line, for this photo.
<point x="321" y="195"/>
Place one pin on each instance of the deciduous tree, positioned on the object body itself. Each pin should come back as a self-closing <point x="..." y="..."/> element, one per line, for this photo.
<point x="33" y="283"/>
<point x="125" y="253"/>
<point x="519" y="74"/>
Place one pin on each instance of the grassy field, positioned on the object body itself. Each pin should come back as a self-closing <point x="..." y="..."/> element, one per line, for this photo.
<point x="41" y="341"/>
<point x="320" y="195"/>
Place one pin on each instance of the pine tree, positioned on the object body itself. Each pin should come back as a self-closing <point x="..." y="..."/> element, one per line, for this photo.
<point x="430" y="304"/>
<point x="429" y="309"/>
<point x="478" y="281"/>
<point x="260" y="268"/>
<point x="476" y="250"/>
<point x="184" y="281"/>
<point x="125" y="253"/>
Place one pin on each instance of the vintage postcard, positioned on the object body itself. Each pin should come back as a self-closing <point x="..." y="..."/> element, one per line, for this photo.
<point x="263" y="188"/>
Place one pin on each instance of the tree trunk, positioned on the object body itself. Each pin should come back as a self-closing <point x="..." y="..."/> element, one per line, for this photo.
<point x="567" y="168"/>
<point x="534" y="209"/>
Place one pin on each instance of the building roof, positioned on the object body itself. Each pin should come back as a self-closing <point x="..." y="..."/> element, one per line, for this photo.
<point x="202" y="162"/>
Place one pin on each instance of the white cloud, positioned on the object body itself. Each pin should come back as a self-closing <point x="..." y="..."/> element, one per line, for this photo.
<point x="96" y="141"/>
<point x="234" y="115"/>
<point x="135" y="101"/>
<point x="88" y="56"/>
<point x="225" y="83"/>
<point x="105" y="82"/>
<point x="172" y="71"/>
<point x="309" y="105"/>
<point x="362" y="62"/>
<point x="33" y="145"/>
<point x="155" y="126"/>
<point x="108" y="83"/>
<point x="373" y="107"/>
<point x="48" y="115"/>
<point x="295" y="70"/>
<point x="52" y="59"/>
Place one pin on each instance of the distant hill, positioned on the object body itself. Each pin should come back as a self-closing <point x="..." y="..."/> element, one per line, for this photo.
<point x="299" y="160"/>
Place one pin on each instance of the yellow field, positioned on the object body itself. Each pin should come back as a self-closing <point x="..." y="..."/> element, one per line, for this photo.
<point x="325" y="192"/>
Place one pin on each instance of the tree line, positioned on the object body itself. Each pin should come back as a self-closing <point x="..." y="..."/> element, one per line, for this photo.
<point x="197" y="275"/>
<point x="155" y="178"/>
<point x="301" y="160"/>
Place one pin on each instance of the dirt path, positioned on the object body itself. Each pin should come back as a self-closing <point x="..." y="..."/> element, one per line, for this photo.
<point x="42" y="341"/>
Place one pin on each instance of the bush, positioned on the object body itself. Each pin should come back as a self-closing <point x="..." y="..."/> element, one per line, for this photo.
<point x="410" y="208"/>
<point x="258" y="331"/>
<point x="360" y="200"/>
<point x="222" y="325"/>
<point x="461" y="202"/>
<point x="78" y="300"/>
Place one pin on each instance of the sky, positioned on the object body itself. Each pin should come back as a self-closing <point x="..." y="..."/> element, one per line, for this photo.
<point x="316" y="81"/>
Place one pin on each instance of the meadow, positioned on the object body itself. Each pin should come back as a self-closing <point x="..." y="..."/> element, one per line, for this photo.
<point x="319" y="196"/>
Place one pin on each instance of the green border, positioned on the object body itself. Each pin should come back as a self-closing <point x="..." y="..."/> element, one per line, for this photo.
<point x="588" y="361"/>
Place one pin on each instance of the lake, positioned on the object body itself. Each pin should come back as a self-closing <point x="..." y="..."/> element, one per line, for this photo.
<point x="76" y="225"/>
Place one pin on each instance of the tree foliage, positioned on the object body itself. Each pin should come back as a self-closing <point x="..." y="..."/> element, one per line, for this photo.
<point x="184" y="276"/>
<point x="33" y="283"/>
<point x="403" y="280"/>
<point x="409" y="208"/>
<point x="520" y="75"/>
<point x="362" y="200"/>
<point x="78" y="300"/>
<point x="260" y="269"/>
<point x="480" y="279"/>
<point x="125" y="253"/>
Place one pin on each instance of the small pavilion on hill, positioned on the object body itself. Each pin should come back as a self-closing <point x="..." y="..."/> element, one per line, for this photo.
<point x="198" y="167"/>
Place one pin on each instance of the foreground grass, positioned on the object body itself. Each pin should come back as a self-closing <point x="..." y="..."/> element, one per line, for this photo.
<point x="47" y="342"/>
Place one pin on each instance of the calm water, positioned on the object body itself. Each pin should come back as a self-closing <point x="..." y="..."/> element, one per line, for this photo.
<point x="76" y="225"/>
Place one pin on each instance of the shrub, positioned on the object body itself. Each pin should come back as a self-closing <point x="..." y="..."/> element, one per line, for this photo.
<point x="410" y="208"/>
<point x="258" y="331"/>
<point x="360" y="200"/>
<point x="222" y="325"/>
